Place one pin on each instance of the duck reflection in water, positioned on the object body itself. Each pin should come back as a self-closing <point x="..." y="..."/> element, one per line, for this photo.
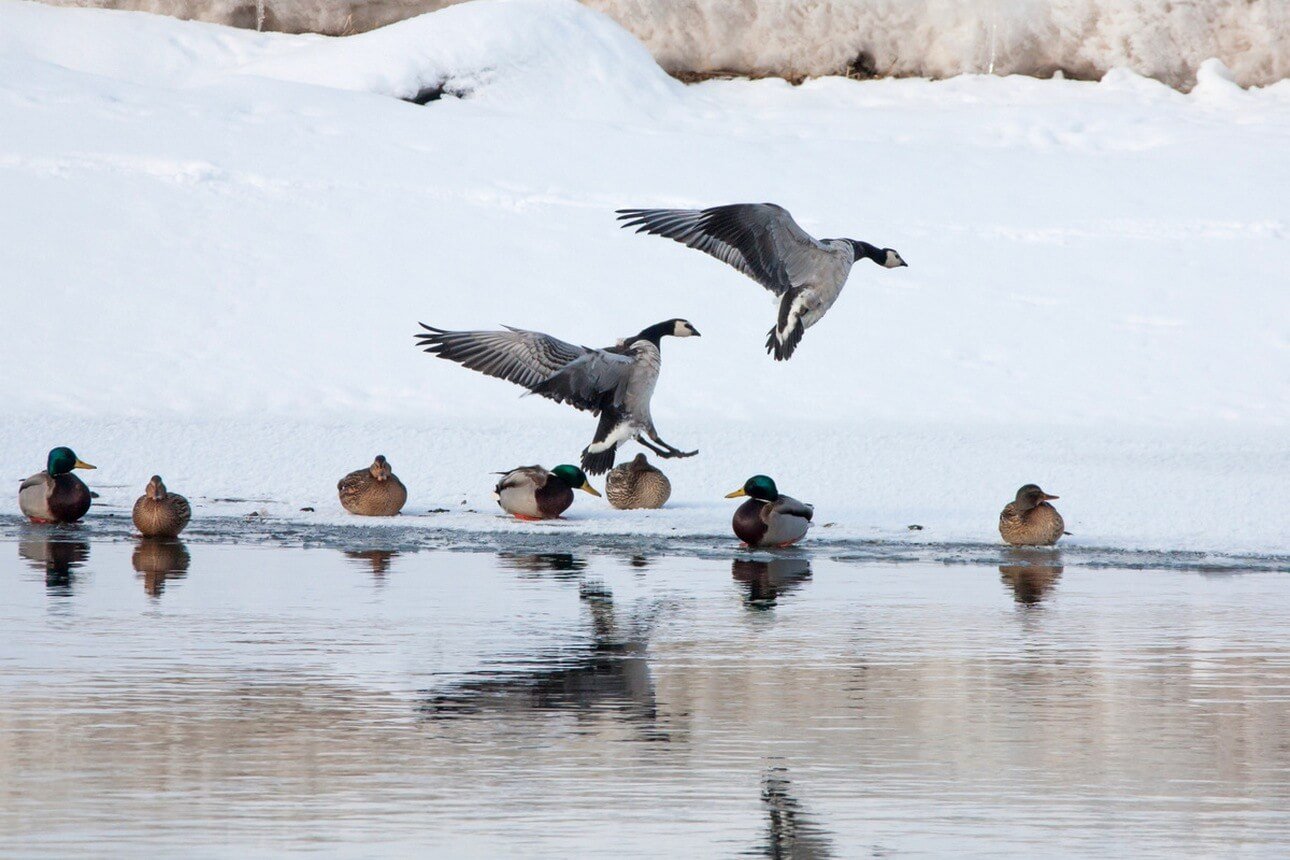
<point x="564" y="565"/>
<point x="375" y="560"/>
<point x="59" y="554"/>
<point x="767" y="580"/>
<point x="791" y="831"/>
<point x="1031" y="573"/>
<point x="607" y="674"/>
<point x="158" y="560"/>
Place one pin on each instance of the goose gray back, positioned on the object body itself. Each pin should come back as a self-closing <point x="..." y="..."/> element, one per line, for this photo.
<point x="764" y="242"/>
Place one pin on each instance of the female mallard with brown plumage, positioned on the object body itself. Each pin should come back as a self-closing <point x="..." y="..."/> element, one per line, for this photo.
<point x="56" y="495"/>
<point x="159" y="513"/>
<point x="637" y="485"/>
<point x="769" y="518"/>
<point x="1029" y="520"/>
<point x="533" y="493"/>
<point x="374" y="491"/>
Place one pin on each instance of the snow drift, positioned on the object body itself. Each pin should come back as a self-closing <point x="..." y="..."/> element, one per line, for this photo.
<point x="218" y="244"/>
<point x="1162" y="39"/>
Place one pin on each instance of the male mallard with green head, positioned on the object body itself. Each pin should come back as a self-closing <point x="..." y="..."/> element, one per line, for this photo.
<point x="637" y="485"/>
<point x="768" y="518"/>
<point x="159" y="513"/>
<point x="373" y="492"/>
<point x="1029" y="520"/>
<point x="533" y="493"/>
<point x="56" y="495"/>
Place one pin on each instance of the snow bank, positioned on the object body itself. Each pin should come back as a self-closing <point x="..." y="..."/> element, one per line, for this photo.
<point x="934" y="38"/>
<point x="531" y="54"/>
<point x="218" y="243"/>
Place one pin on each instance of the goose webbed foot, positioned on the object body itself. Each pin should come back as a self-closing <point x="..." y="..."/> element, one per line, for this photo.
<point x="667" y="451"/>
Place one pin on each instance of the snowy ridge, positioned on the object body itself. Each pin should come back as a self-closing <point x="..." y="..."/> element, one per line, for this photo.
<point x="219" y="242"/>
<point x="792" y="38"/>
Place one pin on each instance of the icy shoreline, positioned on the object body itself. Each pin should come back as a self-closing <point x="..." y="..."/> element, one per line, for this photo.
<point x="222" y="241"/>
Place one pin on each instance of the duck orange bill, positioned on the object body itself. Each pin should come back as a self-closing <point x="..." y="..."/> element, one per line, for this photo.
<point x="1048" y="497"/>
<point x="736" y="494"/>
<point x="586" y="487"/>
<point x="81" y="464"/>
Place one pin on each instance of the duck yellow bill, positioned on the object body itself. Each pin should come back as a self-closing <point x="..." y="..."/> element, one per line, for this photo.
<point x="736" y="494"/>
<point x="81" y="464"/>
<point x="586" y="487"/>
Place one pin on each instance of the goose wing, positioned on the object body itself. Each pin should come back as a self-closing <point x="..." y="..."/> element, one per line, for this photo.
<point x="595" y="381"/>
<point x="759" y="239"/>
<point x="577" y="375"/>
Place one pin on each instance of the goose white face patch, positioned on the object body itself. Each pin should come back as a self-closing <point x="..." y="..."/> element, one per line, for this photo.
<point x="682" y="329"/>
<point x="893" y="260"/>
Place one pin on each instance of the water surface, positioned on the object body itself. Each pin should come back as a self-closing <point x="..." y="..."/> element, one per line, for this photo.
<point x="209" y="699"/>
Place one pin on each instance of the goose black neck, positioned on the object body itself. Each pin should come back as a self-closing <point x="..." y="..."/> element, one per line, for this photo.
<point x="864" y="249"/>
<point x="656" y="332"/>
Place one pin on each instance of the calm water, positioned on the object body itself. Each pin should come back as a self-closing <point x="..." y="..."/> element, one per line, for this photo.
<point x="267" y="699"/>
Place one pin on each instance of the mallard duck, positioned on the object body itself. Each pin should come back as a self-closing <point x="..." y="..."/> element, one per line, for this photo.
<point x="160" y="514"/>
<point x="533" y="493"/>
<point x="615" y="383"/>
<point x="1029" y="520"/>
<point x="768" y="518"/>
<point x="764" y="242"/>
<point x="637" y="485"/>
<point x="374" y="491"/>
<point x="56" y="495"/>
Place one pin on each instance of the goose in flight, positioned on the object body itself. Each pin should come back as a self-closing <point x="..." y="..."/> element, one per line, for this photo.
<point x="764" y="242"/>
<point x="615" y="383"/>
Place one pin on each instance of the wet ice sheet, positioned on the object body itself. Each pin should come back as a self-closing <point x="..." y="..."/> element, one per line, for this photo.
<point x="552" y="703"/>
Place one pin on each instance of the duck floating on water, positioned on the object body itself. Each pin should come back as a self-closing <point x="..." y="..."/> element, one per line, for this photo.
<point x="533" y="493"/>
<point x="615" y="383"/>
<point x="636" y="485"/>
<point x="159" y="513"/>
<point x="373" y="492"/>
<point x="56" y="495"/>
<point x="1029" y="520"/>
<point x="769" y="518"/>
<point x="764" y="242"/>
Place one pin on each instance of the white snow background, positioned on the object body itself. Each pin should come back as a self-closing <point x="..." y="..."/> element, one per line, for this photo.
<point x="217" y="244"/>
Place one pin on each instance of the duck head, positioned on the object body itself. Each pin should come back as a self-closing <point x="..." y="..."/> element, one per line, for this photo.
<point x="575" y="478"/>
<point x="887" y="257"/>
<point x="156" y="489"/>
<point x="758" y="487"/>
<point x="380" y="469"/>
<point x="1030" y="496"/>
<point x="63" y="460"/>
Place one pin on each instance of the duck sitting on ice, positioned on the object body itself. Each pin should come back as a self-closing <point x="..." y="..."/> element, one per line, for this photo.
<point x="533" y="493"/>
<point x="159" y="513"/>
<point x="56" y="495"/>
<point x="1029" y="520"/>
<point x="769" y="518"/>
<point x="637" y="484"/>
<point x="373" y="492"/>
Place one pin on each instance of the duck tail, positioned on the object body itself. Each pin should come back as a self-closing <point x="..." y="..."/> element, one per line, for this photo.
<point x="597" y="463"/>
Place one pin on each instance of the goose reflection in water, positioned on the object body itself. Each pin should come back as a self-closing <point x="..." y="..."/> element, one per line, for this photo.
<point x="791" y="831"/>
<point x="767" y="580"/>
<point x="158" y="560"/>
<point x="377" y="561"/>
<point x="609" y="674"/>
<point x="59" y="554"/>
<point x="1031" y="573"/>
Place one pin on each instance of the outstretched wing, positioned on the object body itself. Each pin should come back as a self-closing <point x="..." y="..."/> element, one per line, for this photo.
<point x="523" y="357"/>
<point x="759" y="239"/>
<point x="595" y="381"/>
<point x="532" y="359"/>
